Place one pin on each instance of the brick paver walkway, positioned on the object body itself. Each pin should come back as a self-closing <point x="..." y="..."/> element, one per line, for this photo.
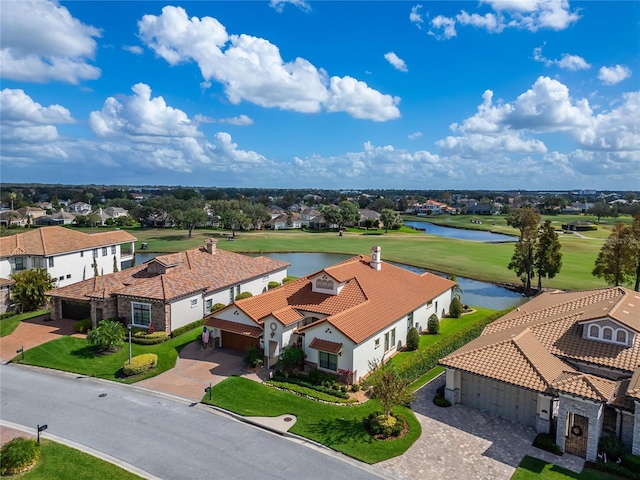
<point x="33" y="332"/>
<point x="460" y="442"/>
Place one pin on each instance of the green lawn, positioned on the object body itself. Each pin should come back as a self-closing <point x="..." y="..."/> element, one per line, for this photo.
<point x="8" y="325"/>
<point x="534" y="469"/>
<point x="448" y="326"/>
<point x="76" y="355"/>
<point x="338" y="427"/>
<point x="59" y="462"/>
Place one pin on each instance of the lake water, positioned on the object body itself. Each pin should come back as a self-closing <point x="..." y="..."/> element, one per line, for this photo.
<point x="475" y="293"/>
<point x="460" y="233"/>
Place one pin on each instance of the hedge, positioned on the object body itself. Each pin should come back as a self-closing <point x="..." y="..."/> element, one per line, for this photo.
<point x="140" y="364"/>
<point x="146" y="338"/>
<point x="311" y="392"/>
<point x="82" y="326"/>
<point x="187" y="328"/>
<point x="426" y="359"/>
<point x="8" y="314"/>
<point x="317" y="388"/>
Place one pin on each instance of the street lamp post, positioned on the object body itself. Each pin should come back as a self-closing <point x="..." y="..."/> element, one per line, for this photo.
<point x="129" y="328"/>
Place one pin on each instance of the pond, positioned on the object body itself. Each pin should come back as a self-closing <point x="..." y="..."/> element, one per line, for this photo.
<point x="460" y="233"/>
<point x="479" y="294"/>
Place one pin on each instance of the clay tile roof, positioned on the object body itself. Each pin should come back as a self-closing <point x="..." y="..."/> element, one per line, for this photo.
<point x="46" y="241"/>
<point x="586" y="386"/>
<point x="287" y="315"/>
<point x="5" y="282"/>
<point x="193" y="271"/>
<point x="633" y="390"/>
<point x="325" y="345"/>
<point x="369" y="300"/>
<point x="234" y="327"/>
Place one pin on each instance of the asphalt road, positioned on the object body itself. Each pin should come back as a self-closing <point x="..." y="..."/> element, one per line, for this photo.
<point x="168" y="438"/>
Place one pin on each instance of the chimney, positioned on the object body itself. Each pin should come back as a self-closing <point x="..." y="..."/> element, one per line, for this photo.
<point x="211" y="245"/>
<point x="376" y="261"/>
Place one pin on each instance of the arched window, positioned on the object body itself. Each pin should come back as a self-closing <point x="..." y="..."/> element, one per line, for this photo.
<point x="621" y="336"/>
<point x="607" y="333"/>
<point x="594" y="331"/>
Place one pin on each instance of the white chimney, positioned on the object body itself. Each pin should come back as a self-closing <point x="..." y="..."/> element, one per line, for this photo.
<point x="211" y="245"/>
<point x="376" y="260"/>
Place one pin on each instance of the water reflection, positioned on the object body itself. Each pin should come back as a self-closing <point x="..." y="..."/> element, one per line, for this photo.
<point x="461" y="234"/>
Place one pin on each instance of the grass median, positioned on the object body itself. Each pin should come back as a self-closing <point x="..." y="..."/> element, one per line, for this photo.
<point x="75" y="355"/>
<point x="336" y="426"/>
<point x="9" y="324"/>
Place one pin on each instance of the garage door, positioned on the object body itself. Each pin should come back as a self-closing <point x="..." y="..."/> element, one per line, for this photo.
<point x="507" y="401"/>
<point x="238" y="342"/>
<point x="76" y="310"/>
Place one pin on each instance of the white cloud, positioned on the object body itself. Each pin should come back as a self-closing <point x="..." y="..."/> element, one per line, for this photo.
<point x="278" y="5"/>
<point x="488" y="21"/>
<point x="567" y="61"/>
<point x="616" y="130"/>
<point x="135" y="49"/>
<point x="396" y="61"/>
<point x="251" y="68"/>
<point x="240" y="120"/>
<point x="446" y="24"/>
<point x="42" y="42"/>
<point x="414" y="135"/>
<point x="613" y="75"/>
<point x="415" y="16"/>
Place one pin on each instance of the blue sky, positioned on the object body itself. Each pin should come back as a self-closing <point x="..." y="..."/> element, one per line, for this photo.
<point x="495" y="94"/>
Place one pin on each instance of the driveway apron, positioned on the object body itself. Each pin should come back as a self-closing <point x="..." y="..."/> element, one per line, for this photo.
<point x="463" y="442"/>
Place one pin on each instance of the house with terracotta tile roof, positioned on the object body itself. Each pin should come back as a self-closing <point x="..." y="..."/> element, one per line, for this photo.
<point x="343" y="316"/>
<point x="68" y="255"/>
<point x="565" y="363"/>
<point x="168" y="291"/>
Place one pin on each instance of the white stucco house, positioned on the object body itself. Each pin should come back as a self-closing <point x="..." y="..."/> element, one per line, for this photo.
<point x="565" y="363"/>
<point x="67" y="255"/>
<point x="343" y="316"/>
<point x="168" y="291"/>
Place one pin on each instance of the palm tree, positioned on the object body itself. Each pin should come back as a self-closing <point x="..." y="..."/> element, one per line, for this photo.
<point x="12" y="196"/>
<point x="456" y="289"/>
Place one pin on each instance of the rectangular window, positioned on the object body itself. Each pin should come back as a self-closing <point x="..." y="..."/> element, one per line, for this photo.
<point x="328" y="361"/>
<point x="19" y="263"/>
<point x="104" y="251"/>
<point x="376" y="343"/>
<point x="194" y="302"/>
<point x="95" y="253"/>
<point x="113" y="249"/>
<point x="81" y="253"/>
<point x="231" y="296"/>
<point x="238" y="290"/>
<point x="386" y="341"/>
<point x="68" y="276"/>
<point x="50" y="261"/>
<point x="61" y="278"/>
<point x="140" y="314"/>
<point x="208" y="304"/>
<point x="409" y="321"/>
<point x="393" y="338"/>
<point x="38" y="262"/>
<point x="429" y="303"/>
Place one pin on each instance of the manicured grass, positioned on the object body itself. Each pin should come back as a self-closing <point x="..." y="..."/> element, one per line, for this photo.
<point x="426" y="378"/>
<point x="8" y="325"/>
<point x="59" y="462"/>
<point x="338" y="427"/>
<point x="448" y="326"/>
<point x="534" y="469"/>
<point x="76" y="355"/>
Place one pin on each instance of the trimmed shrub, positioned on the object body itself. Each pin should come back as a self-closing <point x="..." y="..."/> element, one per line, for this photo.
<point x="545" y="441"/>
<point x="455" y="309"/>
<point x="289" y="279"/>
<point x="217" y="306"/>
<point x="433" y="325"/>
<point x="616" y="469"/>
<point x="242" y="295"/>
<point x="377" y="424"/>
<point x="108" y="335"/>
<point x="336" y="392"/>
<point x="441" y="401"/>
<point x="18" y="455"/>
<point x="413" y="339"/>
<point x="355" y="387"/>
<point x="145" y="337"/>
<point x="254" y="357"/>
<point x="187" y="328"/>
<point x="7" y="315"/>
<point x="140" y="364"/>
<point x="82" y="326"/>
<point x="611" y="446"/>
<point x="272" y="285"/>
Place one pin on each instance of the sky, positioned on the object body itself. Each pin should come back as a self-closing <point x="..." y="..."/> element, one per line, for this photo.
<point x="491" y="94"/>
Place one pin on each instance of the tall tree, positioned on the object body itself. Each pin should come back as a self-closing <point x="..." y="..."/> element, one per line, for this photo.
<point x="600" y="209"/>
<point x="331" y="214"/>
<point x="635" y="242"/>
<point x="523" y="260"/>
<point x="548" y="259"/>
<point x="390" y="219"/>
<point x="616" y="263"/>
<point x="390" y="389"/>
<point x="30" y="288"/>
<point x="349" y="213"/>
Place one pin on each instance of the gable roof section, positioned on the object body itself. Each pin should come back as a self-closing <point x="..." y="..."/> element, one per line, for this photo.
<point x="586" y="386"/>
<point x="193" y="271"/>
<point x="325" y="345"/>
<point x="370" y="301"/>
<point x="47" y="241"/>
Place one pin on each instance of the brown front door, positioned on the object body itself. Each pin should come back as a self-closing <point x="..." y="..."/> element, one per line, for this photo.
<point x="576" y="442"/>
<point x="239" y="342"/>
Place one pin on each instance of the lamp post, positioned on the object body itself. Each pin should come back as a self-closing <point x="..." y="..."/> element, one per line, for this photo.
<point x="129" y="328"/>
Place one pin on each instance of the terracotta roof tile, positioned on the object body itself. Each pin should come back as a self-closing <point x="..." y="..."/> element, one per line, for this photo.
<point x="46" y="241"/>
<point x="586" y="386"/>
<point x="633" y="389"/>
<point x="4" y="282"/>
<point x="325" y="345"/>
<point x="234" y="327"/>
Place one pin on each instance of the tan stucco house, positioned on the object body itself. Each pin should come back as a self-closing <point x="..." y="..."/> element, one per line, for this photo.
<point x="566" y="363"/>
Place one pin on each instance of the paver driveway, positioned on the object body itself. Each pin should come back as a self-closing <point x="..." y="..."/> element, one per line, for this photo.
<point x="460" y="442"/>
<point x="33" y="332"/>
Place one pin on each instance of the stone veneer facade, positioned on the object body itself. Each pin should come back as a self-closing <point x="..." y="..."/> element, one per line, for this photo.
<point x="160" y="313"/>
<point x="587" y="408"/>
<point x="5" y="299"/>
<point x="635" y="449"/>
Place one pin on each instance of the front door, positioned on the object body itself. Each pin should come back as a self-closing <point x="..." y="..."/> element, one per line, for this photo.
<point x="576" y="442"/>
